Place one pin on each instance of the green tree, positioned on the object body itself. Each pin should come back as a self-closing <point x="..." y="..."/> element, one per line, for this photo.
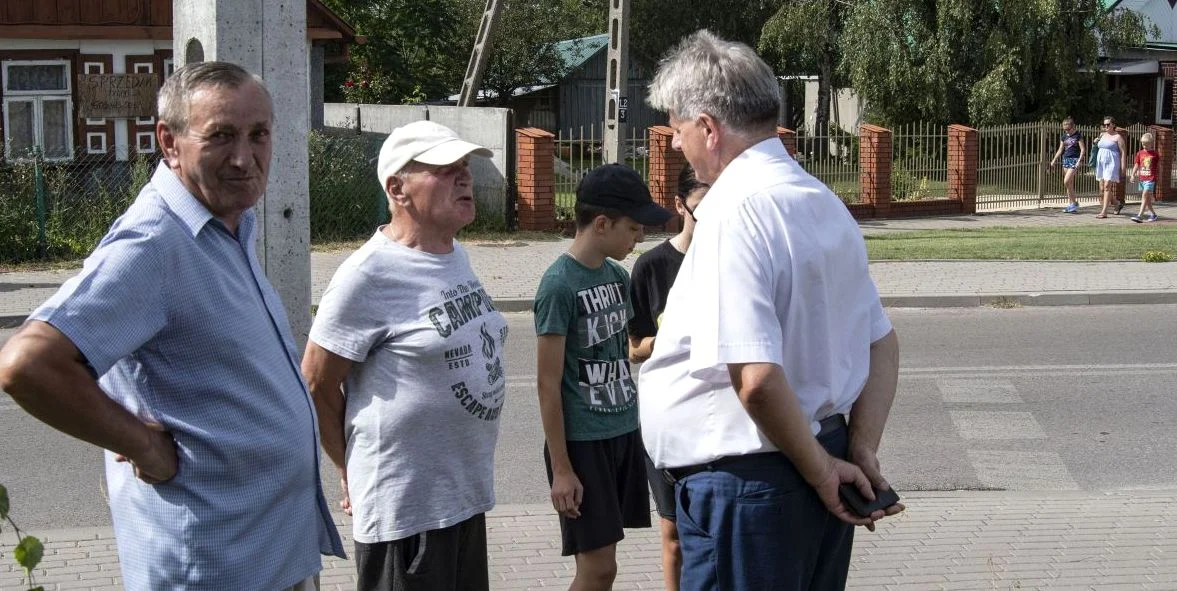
<point x="657" y="25"/>
<point x="804" y="36"/>
<point x="418" y="49"/>
<point x="984" y="61"/>
<point x="523" y="50"/>
<point x="414" y="49"/>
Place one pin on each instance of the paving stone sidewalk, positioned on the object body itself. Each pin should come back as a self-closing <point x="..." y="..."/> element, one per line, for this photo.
<point x="945" y="540"/>
<point x="510" y="271"/>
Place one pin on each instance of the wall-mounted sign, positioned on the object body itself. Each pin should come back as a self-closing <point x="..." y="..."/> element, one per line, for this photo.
<point x="623" y="110"/>
<point x="117" y="96"/>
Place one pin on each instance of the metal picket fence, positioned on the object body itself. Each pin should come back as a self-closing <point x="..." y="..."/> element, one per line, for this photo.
<point x="1015" y="172"/>
<point x="579" y="151"/>
<point x="833" y="160"/>
<point x="919" y="168"/>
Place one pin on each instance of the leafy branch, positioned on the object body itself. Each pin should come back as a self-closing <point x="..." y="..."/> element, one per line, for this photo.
<point x="28" y="551"/>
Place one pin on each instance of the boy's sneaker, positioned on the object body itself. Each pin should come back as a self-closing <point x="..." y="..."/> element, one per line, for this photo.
<point x="1152" y="218"/>
<point x="1136" y="219"/>
<point x="1072" y="208"/>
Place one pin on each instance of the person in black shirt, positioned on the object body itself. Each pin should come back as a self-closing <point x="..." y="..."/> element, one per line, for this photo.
<point x="653" y="275"/>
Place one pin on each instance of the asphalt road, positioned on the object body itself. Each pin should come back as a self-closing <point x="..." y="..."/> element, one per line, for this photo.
<point x="1020" y="399"/>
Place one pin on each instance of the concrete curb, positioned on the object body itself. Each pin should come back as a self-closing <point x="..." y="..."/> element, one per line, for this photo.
<point x="1055" y="298"/>
<point x="1058" y="298"/>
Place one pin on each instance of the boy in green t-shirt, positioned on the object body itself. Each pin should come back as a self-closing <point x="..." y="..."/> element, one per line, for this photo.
<point x="588" y="400"/>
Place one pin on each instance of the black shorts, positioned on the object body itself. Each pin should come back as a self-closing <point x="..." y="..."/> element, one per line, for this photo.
<point x="447" y="559"/>
<point x="662" y="489"/>
<point x="613" y="474"/>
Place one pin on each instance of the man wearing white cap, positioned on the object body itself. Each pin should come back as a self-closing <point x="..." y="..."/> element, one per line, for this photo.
<point x="405" y="362"/>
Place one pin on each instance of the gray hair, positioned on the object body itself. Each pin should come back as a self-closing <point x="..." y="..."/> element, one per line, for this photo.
<point x="175" y="97"/>
<point x="725" y="79"/>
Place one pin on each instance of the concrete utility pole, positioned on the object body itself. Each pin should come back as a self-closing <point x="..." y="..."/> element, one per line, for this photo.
<point x="267" y="38"/>
<point x="481" y="54"/>
<point x="616" y="82"/>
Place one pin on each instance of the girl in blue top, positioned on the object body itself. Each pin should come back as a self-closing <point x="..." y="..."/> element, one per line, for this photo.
<point x="1110" y="163"/>
<point x="1074" y="153"/>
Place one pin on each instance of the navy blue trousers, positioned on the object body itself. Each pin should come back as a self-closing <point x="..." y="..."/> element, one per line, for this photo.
<point x="754" y="524"/>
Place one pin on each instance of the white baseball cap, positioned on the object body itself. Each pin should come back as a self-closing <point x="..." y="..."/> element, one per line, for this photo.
<point x="426" y="142"/>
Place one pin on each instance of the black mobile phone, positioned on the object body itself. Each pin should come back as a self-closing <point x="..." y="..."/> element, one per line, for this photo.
<point x="858" y="503"/>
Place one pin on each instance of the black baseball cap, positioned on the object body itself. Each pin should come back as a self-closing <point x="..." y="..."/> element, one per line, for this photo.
<point x="620" y="188"/>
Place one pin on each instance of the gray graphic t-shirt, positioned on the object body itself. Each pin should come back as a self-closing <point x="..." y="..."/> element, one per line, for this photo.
<point x="590" y="307"/>
<point x="425" y="391"/>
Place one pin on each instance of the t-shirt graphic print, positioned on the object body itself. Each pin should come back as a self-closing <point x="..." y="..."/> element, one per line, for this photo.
<point x="590" y="308"/>
<point x="481" y="398"/>
<point x="426" y="389"/>
<point x="606" y="386"/>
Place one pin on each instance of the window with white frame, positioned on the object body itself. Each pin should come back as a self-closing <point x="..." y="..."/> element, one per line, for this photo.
<point x="94" y="68"/>
<point x="145" y="142"/>
<point x="144" y="68"/>
<point x="38" y="112"/>
<point x="1165" y="100"/>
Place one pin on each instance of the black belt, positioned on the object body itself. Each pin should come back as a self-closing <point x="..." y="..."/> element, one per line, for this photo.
<point x="671" y="475"/>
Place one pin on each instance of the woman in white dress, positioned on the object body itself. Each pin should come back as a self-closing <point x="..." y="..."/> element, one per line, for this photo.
<point x="1110" y="163"/>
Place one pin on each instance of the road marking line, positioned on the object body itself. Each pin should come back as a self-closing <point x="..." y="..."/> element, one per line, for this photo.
<point x="978" y="391"/>
<point x="1021" y="470"/>
<point x="1164" y="367"/>
<point x="992" y="425"/>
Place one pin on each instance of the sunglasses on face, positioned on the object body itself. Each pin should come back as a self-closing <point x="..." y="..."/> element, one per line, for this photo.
<point x="690" y="212"/>
<point x="683" y="199"/>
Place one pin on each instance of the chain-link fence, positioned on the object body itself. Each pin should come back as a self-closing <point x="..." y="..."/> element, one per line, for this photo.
<point x="346" y="201"/>
<point x="61" y="210"/>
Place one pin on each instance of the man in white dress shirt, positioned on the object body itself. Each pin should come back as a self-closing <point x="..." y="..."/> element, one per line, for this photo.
<point x="775" y="366"/>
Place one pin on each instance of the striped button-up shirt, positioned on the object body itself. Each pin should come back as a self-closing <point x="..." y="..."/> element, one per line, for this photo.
<point x="175" y="315"/>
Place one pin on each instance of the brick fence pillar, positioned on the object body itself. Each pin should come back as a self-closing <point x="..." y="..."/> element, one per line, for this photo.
<point x="665" y="165"/>
<point x="789" y="139"/>
<point x="874" y="165"/>
<point x="963" y="144"/>
<point x="1163" y="144"/>
<point x="535" y="178"/>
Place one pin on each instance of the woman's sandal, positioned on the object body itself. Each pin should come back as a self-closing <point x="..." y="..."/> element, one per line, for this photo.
<point x="1102" y="216"/>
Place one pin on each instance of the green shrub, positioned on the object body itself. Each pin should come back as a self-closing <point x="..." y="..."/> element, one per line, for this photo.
<point x="29" y="550"/>
<point x="1157" y="256"/>
<point x="905" y="186"/>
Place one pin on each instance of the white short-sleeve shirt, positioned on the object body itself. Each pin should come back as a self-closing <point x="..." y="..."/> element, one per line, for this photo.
<point x="777" y="273"/>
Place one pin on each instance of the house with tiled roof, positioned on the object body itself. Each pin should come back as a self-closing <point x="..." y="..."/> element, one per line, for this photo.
<point x="1146" y="74"/>
<point x="575" y="104"/>
<point x="46" y="47"/>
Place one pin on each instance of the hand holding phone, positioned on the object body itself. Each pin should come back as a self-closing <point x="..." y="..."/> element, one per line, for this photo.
<point x="862" y="507"/>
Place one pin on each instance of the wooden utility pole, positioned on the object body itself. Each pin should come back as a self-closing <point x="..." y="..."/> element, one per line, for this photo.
<point x="616" y="82"/>
<point x="481" y="54"/>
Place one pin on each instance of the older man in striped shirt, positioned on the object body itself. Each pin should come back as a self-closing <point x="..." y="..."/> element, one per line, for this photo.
<point x="172" y="351"/>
